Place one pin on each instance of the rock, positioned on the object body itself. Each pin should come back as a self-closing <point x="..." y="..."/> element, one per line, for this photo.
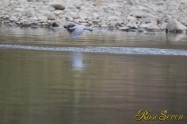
<point x="57" y="12"/>
<point x="42" y="18"/>
<point x="112" y="26"/>
<point x="59" y="22"/>
<point x="36" y="0"/>
<point x="28" y="13"/>
<point x="58" y="6"/>
<point x="12" y="24"/>
<point x="31" y="0"/>
<point x="13" y="18"/>
<point x="163" y="26"/>
<point x="71" y="15"/>
<point x="183" y="1"/>
<point x="77" y="20"/>
<point x="51" y="16"/>
<point x="131" y="22"/>
<point x="50" y="8"/>
<point x="54" y="24"/>
<point x="19" y="10"/>
<point x="175" y="26"/>
<point x="124" y="28"/>
<point x="150" y="26"/>
<point x="6" y="17"/>
<point x="95" y="15"/>
<point x="173" y="4"/>
<point x="33" y="19"/>
<point x="131" y="18"/>
<point x="90" y="23"/>
<point x="25" y="22"/>
<point x="141" y="14"/>
<point x="82" y="15"/>
<point x="183" y="19"/>
<point x="78" y="5"/>
<point x="69" y="19"/>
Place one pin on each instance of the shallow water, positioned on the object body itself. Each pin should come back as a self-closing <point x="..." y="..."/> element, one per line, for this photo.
<point x="45" y="87"/>
<point x="95" y="38"/>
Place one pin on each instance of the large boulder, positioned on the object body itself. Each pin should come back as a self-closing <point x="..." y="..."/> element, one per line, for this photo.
<point x="174" y="26"/>
<point x="150" y="26"/>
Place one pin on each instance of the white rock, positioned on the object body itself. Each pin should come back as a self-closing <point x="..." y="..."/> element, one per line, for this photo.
<point x="42" y="18"/>
<point x="33" y="19"/>
<point x="124" y="28"/>
<point x="175" y="26"/>
<point x="131" y="18"/>
<point x="150" y="26"/>
<point x="131" y="22"/>
<point x="51" y="16"/>
<point x="82" y="15"/>
<point x="13" y="18"/>
<point x="28" y="13"/>
<point x="57" y="12"/>
<point x="25" y="22"/>
<point x="51" y="8"/>
<point x="163" y="26"/>
<point x="95" y="15"/>
<point x="71" y="15"/>
<point x="6" y="17"/>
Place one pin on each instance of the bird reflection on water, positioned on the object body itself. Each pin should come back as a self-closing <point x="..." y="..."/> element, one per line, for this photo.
<point x="77" y="61"/>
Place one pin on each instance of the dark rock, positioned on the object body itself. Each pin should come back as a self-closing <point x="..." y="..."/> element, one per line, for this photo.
<point x="58" y="6"/>
<point x="54" y="24"/>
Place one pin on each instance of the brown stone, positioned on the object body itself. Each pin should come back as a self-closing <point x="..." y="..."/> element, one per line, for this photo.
<point x="58" y="6"/>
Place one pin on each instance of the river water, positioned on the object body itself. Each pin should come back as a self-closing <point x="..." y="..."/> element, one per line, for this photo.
<point x="47" y="78"/>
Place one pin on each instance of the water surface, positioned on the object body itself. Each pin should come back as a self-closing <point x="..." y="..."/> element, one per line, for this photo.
<point x="58" y="87"/>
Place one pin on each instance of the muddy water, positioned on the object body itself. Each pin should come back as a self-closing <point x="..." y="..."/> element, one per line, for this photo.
<point x="60" y="87"/>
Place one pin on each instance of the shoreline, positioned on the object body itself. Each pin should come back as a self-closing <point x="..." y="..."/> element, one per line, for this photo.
<point x="129" y="15"/>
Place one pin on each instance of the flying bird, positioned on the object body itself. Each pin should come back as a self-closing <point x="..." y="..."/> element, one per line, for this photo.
<point x="76" y="30"/>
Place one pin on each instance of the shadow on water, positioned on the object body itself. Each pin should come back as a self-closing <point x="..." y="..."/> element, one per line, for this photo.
<point x="48" y="87"/>
<point x="176" y="38"/>
<point x="77" y="61"/>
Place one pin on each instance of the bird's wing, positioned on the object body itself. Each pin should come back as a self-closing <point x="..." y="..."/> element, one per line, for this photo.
<point x="71" y="29"/>
<point x="77" y="32"/>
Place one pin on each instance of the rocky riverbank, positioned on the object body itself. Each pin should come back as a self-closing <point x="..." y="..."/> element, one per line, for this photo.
<point x="124" y="15"/>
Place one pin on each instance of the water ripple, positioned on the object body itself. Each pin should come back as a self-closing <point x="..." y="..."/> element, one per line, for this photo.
<point x="109" y="50"/>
